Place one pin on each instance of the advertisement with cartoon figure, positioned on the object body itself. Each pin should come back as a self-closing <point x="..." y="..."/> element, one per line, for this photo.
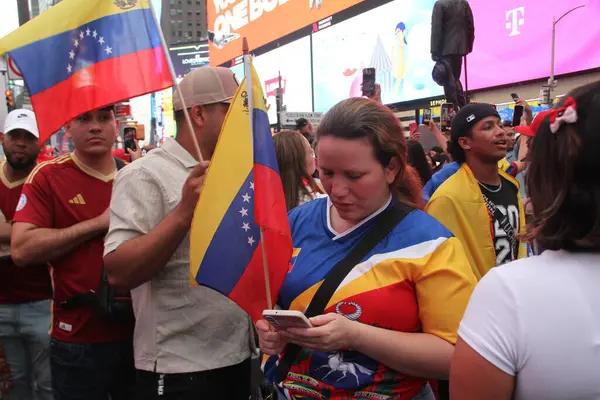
<point x="393" y="38"/>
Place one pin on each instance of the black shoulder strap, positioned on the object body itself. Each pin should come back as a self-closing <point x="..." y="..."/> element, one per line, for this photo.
<point x="383" y="225"/>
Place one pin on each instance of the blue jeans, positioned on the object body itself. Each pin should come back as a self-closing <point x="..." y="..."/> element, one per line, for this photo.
<point x="24" y="335"/>
<point x="92" y="371"/>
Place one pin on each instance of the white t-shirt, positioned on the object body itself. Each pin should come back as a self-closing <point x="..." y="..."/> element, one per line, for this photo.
<point x="539" y="319"/>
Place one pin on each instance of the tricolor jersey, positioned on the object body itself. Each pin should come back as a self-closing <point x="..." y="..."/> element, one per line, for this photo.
<point x="417" y="279"/>
<point x="59" y="194"/>
<point x="19" y="285"/>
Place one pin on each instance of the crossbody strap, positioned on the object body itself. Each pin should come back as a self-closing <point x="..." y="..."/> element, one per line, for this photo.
<point x="383" y="224"/>
<point x="504" y="222"/>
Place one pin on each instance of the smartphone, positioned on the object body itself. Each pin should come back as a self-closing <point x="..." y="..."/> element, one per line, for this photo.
<point x="283" y="319"/>
<point x="129" y="139"/>
<point x="517" y="115"/>
<point x="515" y="97"/>
<point x="426" y="115"/>
<point x="413" y="127"/>
<point x="368" y="87"/>
<point x="446" y="116"/>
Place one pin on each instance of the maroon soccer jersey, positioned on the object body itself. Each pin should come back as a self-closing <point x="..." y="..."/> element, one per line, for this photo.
<point x="59" y="194"/>
<point x="19" y="285"/>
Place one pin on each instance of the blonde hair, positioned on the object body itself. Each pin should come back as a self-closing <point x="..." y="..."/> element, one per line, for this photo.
<point x="291" y="159"/>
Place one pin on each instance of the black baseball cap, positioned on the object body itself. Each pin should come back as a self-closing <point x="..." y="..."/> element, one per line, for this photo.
<point x="468" y="116"/>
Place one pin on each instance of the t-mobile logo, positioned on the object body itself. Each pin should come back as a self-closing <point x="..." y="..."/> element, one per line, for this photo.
<point x="514" y="19"/>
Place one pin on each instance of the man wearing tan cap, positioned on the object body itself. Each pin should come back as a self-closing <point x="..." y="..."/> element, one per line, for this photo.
<point x="189" y="342"/>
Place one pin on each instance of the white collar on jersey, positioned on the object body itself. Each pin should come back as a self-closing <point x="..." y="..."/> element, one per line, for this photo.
<point x="355" y="227"/>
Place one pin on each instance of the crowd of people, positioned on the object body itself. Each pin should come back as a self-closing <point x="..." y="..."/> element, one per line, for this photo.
<point x="453" y="292"/>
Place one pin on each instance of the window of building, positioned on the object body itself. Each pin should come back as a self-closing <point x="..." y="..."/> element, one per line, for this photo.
<point x="190" y="34"/>
<point x="180" y="11"/>
<point x="199" y="33"/>
<point x="173" y="11"/>
<point x="190" y="23"/>
<point x="197" y="12"/>
<point x="172" y="2"/>
<point x="180" y="33"/>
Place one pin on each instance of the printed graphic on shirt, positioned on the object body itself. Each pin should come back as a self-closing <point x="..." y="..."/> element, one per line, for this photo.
<point x="77" y="200"/>
<point x="295" y="253"/>
<point x="504" y="199"/>
<point x="22" y="202"/>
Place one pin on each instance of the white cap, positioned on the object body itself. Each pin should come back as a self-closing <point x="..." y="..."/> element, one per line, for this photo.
<point x="21" y="119"/>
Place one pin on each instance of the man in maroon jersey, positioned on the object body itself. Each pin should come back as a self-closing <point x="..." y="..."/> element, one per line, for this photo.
<point x="61" y="219"/>
<point x="24" y="292"/>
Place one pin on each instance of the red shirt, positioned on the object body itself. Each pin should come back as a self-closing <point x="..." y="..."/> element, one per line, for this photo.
<point x="59" y="194"/>
<point x="19" y="285"/>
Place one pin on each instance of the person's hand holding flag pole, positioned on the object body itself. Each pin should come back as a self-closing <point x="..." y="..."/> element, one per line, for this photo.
<point x="241" y="243"/>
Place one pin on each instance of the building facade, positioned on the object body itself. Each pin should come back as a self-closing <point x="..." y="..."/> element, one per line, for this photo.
<point x="184" y="21"/>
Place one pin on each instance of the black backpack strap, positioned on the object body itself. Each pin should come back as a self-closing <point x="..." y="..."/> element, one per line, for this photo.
<point x="382" y="226"/>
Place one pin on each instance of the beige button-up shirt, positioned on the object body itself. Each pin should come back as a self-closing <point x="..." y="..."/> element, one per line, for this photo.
<point x="178" y="328"/>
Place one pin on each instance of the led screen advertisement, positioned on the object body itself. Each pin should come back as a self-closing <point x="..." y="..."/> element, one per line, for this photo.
<point x="261" y="22"/>
<point x="393" y="38"/>
<point x="188" y="57"/>
<point x="293" y="62"/>
<point x="513" y="40"/>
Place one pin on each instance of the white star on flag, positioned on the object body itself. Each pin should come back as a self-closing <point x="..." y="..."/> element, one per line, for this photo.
<point x="251" y="240"/>
<point x="81" y="35"/>
<point x="75" y="42"/>
<point x="246" y="198"/>
<point x="108" y="50"/>
<point x="244" y="212"/>
<point x="69" y="68"/>
<point x="252" y="185"/>
<point x="72" y="55"/>
<point x="94" y="34"/>
<point x="101" y="40"/>
<point x="87" y="32"/>
<point x="246" y="226"/>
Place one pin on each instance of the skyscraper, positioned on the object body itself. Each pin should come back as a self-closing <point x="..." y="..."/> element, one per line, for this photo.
<point x="183" y="21"/>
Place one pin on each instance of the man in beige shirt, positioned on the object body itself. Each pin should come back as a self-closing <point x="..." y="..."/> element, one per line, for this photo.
<point x="189" y="342"/>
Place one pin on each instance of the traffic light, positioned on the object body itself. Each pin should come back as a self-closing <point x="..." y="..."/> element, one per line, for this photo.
<point x="546" y="95"/>
<point x="10" y="99"/>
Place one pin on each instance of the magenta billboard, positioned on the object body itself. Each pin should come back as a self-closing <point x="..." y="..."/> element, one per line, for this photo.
<point x="513" y="40"/>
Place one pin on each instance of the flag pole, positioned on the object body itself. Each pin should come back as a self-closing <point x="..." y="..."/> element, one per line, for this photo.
<point x="163" y="43"/>
<point x="248" y="73"/>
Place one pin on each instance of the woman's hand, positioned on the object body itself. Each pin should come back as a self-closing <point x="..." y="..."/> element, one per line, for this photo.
<point x="330" y="332"/>
<point x="269" y="341"/>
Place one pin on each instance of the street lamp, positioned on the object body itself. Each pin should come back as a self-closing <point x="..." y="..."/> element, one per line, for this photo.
<point x="547" y="89"/>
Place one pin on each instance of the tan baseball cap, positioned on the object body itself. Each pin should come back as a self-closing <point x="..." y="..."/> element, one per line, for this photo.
<point x="206" y="85"/>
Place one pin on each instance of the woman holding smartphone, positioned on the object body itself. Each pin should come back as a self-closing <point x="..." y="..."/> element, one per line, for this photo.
<point x="391" y="324"/>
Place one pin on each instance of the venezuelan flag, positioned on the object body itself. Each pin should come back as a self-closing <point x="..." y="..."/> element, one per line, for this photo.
<point x="242" y="193"/>
<point x="81" y="55"/>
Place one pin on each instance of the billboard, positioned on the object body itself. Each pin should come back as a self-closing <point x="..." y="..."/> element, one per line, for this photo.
<point x="513" y="40"/>
<point x="261" y="21"/>
<point x="188" y="57"/>
<point x="292" y="61"/>
<point x="393" y="38"/>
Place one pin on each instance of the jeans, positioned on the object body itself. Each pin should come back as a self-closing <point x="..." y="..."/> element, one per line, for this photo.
<point x="24" y="335"/>
<point x="231" y="383"/>
<point x="92" y="371"/>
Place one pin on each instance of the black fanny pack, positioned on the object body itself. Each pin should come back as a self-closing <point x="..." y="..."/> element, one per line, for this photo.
<point x="108" y="301"/>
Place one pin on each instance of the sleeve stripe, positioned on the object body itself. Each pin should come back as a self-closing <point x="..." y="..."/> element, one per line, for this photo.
<point x="59" y="160"/>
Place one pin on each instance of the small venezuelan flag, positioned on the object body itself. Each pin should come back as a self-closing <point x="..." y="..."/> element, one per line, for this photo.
<point x="81" y="55"/>
<point x="242" y="193"/>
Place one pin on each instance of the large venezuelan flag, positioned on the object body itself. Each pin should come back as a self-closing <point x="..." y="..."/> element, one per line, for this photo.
<point x="85" y="54"/>
<point x="242" y="193"/>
